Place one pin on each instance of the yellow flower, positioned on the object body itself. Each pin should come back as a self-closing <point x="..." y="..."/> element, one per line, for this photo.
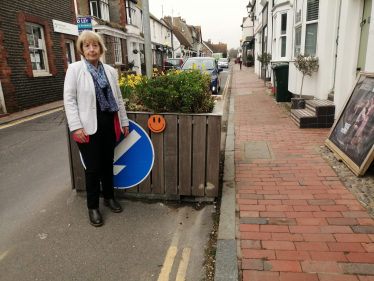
<point x="155" y="69"/>
<point x="203" y="65"/>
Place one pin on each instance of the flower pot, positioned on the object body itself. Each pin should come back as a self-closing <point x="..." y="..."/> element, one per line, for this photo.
<point x="297" y="103"/>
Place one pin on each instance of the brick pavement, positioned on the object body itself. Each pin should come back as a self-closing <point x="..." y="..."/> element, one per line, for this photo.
<point x="297" y="220"/>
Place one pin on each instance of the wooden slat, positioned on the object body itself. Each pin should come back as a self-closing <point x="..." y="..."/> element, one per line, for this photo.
<point x="198" y="155"/>
<point x="171" y="154"/>
<point x="158" y="181"/>
<point x="185" y="139"/>
<point x="79" y="171"/>
<point x="69" y="154"/>
<point x="145" y="185"/>
<point x="213" y="155"/>
<point x="134" y="189"/>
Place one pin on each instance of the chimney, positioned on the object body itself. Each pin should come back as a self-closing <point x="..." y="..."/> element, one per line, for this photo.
<point x="209" y="41"/>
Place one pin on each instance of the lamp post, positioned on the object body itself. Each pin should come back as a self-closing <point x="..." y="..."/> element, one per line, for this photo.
<point x="166" y="49"/>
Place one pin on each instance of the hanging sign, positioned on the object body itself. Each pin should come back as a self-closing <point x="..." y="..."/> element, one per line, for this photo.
<point x="84" y="24"/>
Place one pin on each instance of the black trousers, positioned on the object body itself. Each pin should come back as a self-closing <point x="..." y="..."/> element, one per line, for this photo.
<point x="98" y="156"/>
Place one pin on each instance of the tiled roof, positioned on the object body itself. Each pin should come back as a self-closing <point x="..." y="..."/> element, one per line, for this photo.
<point x="181" y="38"/>
<point x="220" y="48"/>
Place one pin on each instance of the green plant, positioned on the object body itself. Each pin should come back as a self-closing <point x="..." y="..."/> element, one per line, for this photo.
<point x="141" y="34"/>
<point x="184" y="92"/>
<point x="131" y="64"/>
<point x="224" y="54"/>
<point x="250" y="58"/>
<point x="265" y="59"/>
<point x="135" y="51"/>
<point x="306" y="64"/>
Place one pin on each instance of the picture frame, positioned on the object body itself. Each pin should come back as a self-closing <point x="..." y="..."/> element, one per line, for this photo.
<point x="351" y="137"/>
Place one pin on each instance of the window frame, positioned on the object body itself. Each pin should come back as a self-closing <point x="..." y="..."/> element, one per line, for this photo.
<point x="102" y="8"/>
<point x="117" y="46"/>
<point x="302" y="25"/>
<point x="72" y="51"/>
<point x="45" y="71"/>
<point x="283" y="36"/>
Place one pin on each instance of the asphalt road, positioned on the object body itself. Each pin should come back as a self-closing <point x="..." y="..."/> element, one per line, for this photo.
<point x="44" y="229"/>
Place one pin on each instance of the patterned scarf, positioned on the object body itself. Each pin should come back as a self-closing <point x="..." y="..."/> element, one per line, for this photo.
<point x="100" y="82"/>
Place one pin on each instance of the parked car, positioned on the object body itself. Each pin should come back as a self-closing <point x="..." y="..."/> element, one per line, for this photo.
<point x="172" y="63"/>
<point x="223" y="62"/>
<point x="210" y="66"/>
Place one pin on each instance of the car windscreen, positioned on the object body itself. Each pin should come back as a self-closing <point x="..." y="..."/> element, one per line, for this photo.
<point x="172" y="63"/>
<point x="200" y="64"/>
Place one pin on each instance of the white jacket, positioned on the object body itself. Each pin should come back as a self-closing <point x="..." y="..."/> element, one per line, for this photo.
<point x="80" y="97"/>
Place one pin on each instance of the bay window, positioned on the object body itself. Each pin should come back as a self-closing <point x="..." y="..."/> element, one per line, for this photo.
<point x="283" y="35"/>
<point x="306" y="30"/>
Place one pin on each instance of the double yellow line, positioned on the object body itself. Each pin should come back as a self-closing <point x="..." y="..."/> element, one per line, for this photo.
<point x="170" y="258"/>
<point x="19" y="121"/>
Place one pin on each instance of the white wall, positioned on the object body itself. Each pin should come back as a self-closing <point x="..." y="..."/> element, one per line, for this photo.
<point x="349" y="41"/>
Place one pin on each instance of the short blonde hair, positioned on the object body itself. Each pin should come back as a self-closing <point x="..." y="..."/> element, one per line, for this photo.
<point x="88" y="35"/>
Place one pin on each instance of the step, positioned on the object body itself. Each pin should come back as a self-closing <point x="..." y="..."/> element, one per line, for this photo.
<point x="330" y="96"/>
<point x="321" y="107"/>
<point x="304" y="118"/>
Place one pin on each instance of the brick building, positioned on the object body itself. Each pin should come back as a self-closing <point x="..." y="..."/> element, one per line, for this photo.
<point x="35" y="51"/>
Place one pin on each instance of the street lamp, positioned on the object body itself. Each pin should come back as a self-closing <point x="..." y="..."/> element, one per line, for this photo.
<point x="166" y="49"/>
<point x="249" y="7"/>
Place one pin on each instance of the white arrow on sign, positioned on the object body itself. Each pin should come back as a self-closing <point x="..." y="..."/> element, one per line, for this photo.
<point x="121" y="149"/>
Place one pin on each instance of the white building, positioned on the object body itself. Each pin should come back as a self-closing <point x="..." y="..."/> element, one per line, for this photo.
<point x="338" y="32"/>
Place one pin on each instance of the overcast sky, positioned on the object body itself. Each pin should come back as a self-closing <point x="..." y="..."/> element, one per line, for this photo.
<point x="220" y="20"/>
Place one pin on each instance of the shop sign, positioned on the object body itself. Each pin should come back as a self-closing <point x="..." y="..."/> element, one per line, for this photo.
<point x="64" y="27"/>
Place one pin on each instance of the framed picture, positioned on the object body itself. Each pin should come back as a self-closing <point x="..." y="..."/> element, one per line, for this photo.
<point x="352" y="136"/>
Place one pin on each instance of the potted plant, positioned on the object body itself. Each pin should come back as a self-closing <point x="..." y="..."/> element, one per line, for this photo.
<point x="135" y="51"/>
<point x="306" y="64"/>
<point x="249" y="60"/>
<point x="265" y="59"/>
<point x="131" y="65"/>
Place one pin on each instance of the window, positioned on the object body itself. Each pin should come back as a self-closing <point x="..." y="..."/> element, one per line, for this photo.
<point x="130" y="14"/>
<point x="36" y="42"/>
<point x="297" y="41"/>
<point x="311" y="27"/>
<point x="283" y="35"/>
<point x="70" y="54"/>
<point x="306" y="31"/>
<point x="117" y="50"/>
<point x="264" y="39"/>
<point x="100" y="9"/>
<point x="94" y="9"/>
<point x="104" y="6"/>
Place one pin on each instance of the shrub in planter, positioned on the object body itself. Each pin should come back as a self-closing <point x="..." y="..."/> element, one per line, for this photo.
<point x="135" y="51"/>
<point x="306" y="64"/>
<point x="183" y="92"/>
<point x="131" y="64"/>
<point x="249" y="60"/>
<point x="265" y="59"/>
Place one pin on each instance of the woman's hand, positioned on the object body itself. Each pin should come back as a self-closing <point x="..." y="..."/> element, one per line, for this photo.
<point x="80" y="134"/>
<point x="125" y="131"/>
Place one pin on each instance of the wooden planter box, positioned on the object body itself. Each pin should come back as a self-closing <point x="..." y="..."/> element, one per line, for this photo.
<point x="187" y="156"/>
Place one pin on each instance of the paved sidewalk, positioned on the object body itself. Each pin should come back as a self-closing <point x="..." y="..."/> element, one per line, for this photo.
<point x="32" y="111"/>
<point x="297" y="220"/>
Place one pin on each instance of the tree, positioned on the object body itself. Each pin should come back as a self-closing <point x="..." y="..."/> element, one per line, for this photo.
<point x="233" y="52"/>
<point x="265" y="59"/>
<point x="306" y="64"/>
<point x="224" y="54"/>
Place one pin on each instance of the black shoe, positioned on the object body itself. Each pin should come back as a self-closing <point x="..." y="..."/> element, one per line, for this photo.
<point x="95" y="217"/>
<point x="113" y="205"/>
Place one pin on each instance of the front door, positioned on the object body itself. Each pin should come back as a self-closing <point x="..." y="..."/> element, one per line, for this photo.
<point x="365" y="25"/>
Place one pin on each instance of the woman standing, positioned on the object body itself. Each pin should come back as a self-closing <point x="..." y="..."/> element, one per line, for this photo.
<point x="96" y="116"/>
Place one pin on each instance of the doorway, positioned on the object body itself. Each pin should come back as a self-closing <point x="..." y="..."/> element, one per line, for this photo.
<point x="70" y="54"/>
<point x="365" y="26"/>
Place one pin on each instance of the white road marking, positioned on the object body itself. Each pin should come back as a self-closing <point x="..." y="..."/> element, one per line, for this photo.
<point x="121" y="149"/>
